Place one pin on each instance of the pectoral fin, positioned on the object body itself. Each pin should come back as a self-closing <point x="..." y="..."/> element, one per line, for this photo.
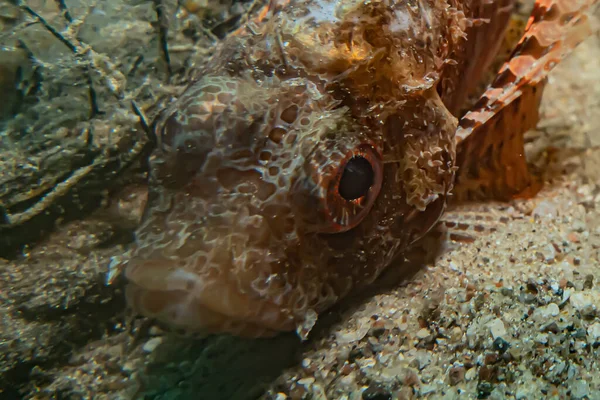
<point x="492" y="163"/>
<point x="490" y="153"/>
<point x="485" y="37"/>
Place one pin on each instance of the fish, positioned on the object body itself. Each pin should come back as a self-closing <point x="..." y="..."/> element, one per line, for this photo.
<point x="321" y="141"/>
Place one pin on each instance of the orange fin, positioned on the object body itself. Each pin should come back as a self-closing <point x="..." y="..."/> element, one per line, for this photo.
<point x="490" y="154"/>
<point x="491" y="161"/>
<point x="484" y="39"/>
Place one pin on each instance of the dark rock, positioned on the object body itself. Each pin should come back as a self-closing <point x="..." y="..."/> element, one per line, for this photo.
<point x="484" y="389"/>
<point x="501" y="345"/>
<point x="376" y="392"/>
<point x="456" y="375"/>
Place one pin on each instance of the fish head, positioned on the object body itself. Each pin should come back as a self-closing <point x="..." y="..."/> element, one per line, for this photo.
<point x="302" y="161"/>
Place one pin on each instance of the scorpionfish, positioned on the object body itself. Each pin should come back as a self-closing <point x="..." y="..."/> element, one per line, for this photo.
<point x="324" y="138"/>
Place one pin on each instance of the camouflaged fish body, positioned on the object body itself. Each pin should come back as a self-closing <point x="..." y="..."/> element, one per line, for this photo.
<point x="314" y="148"/>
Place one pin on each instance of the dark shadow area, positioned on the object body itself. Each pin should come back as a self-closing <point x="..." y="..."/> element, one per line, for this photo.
<point x="218" y="367"/>
<point x="225" y="367"/>
<point x="75" y="204"/>
<point x="62" y="331"/>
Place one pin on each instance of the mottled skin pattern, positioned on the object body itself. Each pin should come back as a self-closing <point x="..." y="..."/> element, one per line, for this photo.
<point x="247" y="230"/>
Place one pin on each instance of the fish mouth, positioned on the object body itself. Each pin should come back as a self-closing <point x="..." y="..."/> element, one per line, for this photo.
<point x="191" y="303"/>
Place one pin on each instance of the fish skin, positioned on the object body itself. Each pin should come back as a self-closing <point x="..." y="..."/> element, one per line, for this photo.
<point x="246" y="230"/>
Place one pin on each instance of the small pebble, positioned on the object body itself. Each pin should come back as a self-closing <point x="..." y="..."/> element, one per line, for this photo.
<point x="594" y="331"/>
<point x="549" y="253"/>
<point x="527" y="298"/>
<point x="497" y="328"/>
<point x="579" y="333"/>
<point x="542" y="314"/>
<point x="471" y="374"/>
<point x="552" y="327"/>
<point x="579" y="389"/>
<point x="581" y="300"/>
<point x="306" y="382"/>
<point x="456" y="333"/>
<point x="456" y="375"/>
<point x="423" y="358"/>
<point x="522" y="393"/>
<point x="573" y="372"/>
<point x="565" y="297"/>
<point x="128" y="366"/>
<point x="546" y="209"/>
<point x="484" y="389"/>
<point x="427" y="389"/>
<point x="589" y="311"/>
<point x="423" y="333"/>
<point x="152" y="344"/>
<point x="376" y="392"/>
<point x="542" y="338"/>
<point x="490" y="358"/>
<point x="501" y="345"/>
<point x="589" y="282"/>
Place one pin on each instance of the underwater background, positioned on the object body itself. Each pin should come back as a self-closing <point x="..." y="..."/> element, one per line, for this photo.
<point x="512" y="314"/>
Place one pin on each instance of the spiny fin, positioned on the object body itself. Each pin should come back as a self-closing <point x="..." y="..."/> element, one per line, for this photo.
<point x="491" y="162"/>
<point x="490" y="154"/>
<point x="484" y="39"/>
<point x="512" y="36"/>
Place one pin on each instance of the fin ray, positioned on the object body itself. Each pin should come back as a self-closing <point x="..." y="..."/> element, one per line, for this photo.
<point x="489" y="21"/>
<point x="490" y="153"/>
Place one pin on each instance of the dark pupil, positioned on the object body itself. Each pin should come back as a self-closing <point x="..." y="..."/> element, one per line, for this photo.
<point x="356" y="179"/>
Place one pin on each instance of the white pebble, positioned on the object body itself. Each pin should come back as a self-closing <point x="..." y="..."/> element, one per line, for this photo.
<point x="306" y="382"/>
<point x="549" y="253"/>
<point x="594" y="331"/>
<point x="152" y="344"/>
<point x="423" y="333"/>
<point x="497" y="328"/>
<point x="471" y="374"/>
<point x="580" y="389"/>
<point x="542" y="314"/>
<point x="546" y="209"/>
<point x="581" y="300"/>
<point x="542" y="338"/>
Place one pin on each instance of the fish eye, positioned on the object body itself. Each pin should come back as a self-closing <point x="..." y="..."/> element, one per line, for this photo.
<point x="353" y="187"/>
<point x="357" y="178"/>
<point x="338" y="188"/>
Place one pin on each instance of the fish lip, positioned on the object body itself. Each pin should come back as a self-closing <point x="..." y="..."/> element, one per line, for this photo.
<point x="220" y="323"/>
<point x="182" y="300"/>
